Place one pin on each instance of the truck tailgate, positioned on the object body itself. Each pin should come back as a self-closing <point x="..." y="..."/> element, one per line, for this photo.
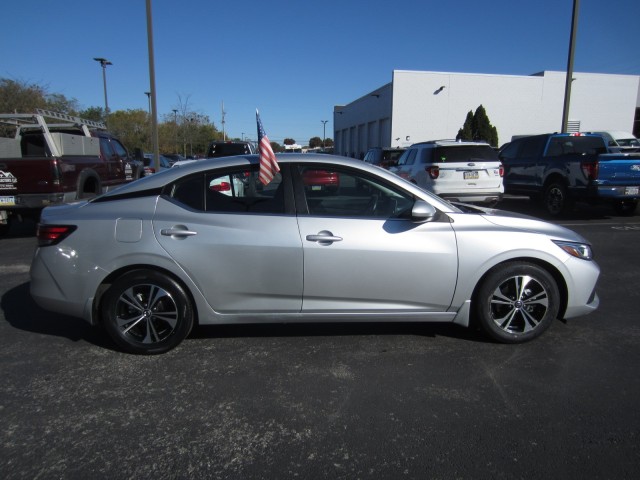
<point x="618" y="169"/>
<point x="28" y="176"/>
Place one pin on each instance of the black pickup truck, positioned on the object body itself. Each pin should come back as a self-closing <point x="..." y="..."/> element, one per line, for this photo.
<point x="561" y="168"/>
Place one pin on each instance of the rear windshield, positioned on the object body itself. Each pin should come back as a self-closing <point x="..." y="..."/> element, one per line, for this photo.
<point x="228" y="149"/>
<point x="465" y="153"/>
<point x="568" y="145"/>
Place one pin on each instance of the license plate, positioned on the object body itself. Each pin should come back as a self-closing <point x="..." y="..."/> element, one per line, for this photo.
<point x="471" y="175"/>
<point x="7" y="201"/>
<point x="631" y="190"/>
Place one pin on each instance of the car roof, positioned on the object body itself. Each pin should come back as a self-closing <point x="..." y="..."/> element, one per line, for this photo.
<point x="160" y="179"/>
<point x="166" y="176"/>
<point x="451" y="143"/>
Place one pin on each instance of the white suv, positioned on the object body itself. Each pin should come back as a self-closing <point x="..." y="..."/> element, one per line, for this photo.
<point x="454" y="170"/>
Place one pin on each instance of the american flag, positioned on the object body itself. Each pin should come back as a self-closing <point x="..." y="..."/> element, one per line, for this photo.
<point x="268" y="164"/>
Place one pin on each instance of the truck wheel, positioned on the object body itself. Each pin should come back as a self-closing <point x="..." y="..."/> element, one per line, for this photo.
<point x="88" y="185"/>
<point x="517" y="302"/>
<point x="556" y="200"/>
<point x="625" y="207"/>
<point x="146" y="312"/>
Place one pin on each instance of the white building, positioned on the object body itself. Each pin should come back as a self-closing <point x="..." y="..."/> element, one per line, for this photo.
<point x="419" y="106"/>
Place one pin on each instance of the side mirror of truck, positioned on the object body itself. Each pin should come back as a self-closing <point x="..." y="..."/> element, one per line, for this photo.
<point x="138" y="154"/>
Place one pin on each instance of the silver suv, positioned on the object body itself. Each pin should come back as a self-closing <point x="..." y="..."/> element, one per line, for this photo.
<point x="454" y="170"/>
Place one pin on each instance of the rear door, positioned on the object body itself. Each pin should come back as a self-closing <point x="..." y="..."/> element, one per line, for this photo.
<point x="235" y="240"/>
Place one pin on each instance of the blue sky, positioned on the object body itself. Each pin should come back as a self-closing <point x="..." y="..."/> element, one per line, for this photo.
<point x="295" y="60"/>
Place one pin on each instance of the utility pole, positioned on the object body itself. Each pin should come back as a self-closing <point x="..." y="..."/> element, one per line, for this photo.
<point x="224" y="135"/>
<point x="569" y="79"/>
<point x="175" y="126"/>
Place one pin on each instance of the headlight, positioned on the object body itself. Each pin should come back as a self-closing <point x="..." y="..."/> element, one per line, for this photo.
<point x="578" y="250"/>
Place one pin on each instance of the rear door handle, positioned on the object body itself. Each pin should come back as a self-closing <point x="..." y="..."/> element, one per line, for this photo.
<point x="177" y="232"/>
<point x="324" y="237"/>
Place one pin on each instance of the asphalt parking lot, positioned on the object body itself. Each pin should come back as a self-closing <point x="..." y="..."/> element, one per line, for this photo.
<point x="375" y="401"/>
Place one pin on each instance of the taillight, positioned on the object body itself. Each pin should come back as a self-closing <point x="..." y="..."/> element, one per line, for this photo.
<point x="590" y="170"/>
<point x="221" y="187"/>
<point x="48" y="235"/>
<point x="433" y="171"/>
<point x="501" y="171"/>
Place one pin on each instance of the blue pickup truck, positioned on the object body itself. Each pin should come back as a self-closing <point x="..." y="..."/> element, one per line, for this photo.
<point x="560" y="169"/>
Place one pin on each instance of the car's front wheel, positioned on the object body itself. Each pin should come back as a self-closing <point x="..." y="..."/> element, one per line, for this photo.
<point x="517" y="302"/>
<point x="146" y="312"/>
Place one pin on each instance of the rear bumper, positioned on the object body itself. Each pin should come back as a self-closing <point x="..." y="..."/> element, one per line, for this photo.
<point x="607" y="192"/>
<point x="473" y="197"/>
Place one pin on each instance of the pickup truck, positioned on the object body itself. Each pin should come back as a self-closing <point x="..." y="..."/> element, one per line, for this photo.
<point x="51" y="158"/>
<point x="560" y="169"/>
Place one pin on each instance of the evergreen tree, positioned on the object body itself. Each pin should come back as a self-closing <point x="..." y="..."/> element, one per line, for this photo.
<point x="477" y="127"/>
<point x="466" y="132"/>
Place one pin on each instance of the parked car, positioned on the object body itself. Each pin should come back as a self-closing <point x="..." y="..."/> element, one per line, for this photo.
<point x="156" y="257"/>
<point x="383" y="157"/>
<point x="227" y="149"/>
<point x="454" y="170"/>
<point x="149" y="167"/>
<point x="623" y="142"/>
<point x="560" y="169"/>
<point x="174" y="157"/>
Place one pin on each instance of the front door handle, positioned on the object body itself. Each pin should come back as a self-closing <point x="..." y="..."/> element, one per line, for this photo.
<point x="324" y="237"/>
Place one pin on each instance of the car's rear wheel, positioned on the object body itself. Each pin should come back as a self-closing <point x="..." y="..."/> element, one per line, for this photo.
<point x="556" y="199"/>
<point x="626" y="207"/>
<point x="517" y="302"/>
<point x="146" y="312"/>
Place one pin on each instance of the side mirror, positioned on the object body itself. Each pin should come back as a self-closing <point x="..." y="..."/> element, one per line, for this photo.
<point x="422" y="211"/>
<point x="138" y="155"/>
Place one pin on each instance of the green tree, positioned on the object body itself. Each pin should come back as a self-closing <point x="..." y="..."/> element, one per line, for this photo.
<point x="132" y="127"/>
<point x="315" y="142"/>
<point x="477" y="127"/>
<point x="289" y="141"/>
<point x="93" y="113"/>
<point x="466" y="132"/>
<point x="276" y="147"/>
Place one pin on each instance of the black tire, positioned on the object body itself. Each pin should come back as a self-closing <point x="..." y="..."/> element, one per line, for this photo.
<point x="517" y="302"/>
<point x="626" y="207"/>
<point x="556" y="199"/>
<point x="146" y="312"/>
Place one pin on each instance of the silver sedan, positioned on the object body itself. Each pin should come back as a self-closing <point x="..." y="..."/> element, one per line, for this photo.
<point x="328" y="240"/>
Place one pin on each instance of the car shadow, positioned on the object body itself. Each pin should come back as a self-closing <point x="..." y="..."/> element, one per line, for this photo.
<point x="22" y="229"/>
<point x="336" y="329"/>
<point x="580" y="211"/>
<point x="22" y="313"/>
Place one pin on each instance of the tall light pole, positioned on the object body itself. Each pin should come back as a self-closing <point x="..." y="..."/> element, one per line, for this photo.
<point x="152" y="89"/>
<point x="569" y="79"/>
<point x="104" y="62"/>
<point x="324" y="132"/>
